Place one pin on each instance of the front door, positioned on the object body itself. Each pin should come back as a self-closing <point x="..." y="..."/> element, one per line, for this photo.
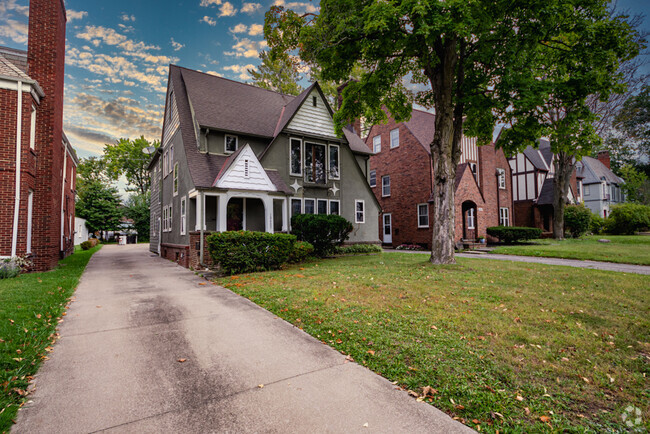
<point x="388" y="230"/>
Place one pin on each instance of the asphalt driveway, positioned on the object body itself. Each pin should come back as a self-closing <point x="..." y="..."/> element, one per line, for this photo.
<point x="241" y="369"/>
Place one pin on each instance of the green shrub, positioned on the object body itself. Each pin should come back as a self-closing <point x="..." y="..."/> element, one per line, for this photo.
<point x="12" y="267"/>
<point x="245" y="251"/>
<point x="628" y="218"/>
<point x="512" y="234"/>
<point x="597" y="224"/>
<point x="577" y="219"/>
<point x="86" y="245"/>
<point x="301" y="251"/>
<point x="358" y="248"/>
<point x="324" y="232"/>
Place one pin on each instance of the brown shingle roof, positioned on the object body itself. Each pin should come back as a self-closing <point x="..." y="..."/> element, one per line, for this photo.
<point x="9" y="69"/>
<point x="422" y="125"/>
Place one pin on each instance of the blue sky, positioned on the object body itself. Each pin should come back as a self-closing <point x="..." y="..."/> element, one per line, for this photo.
<point x="118" y="54"/>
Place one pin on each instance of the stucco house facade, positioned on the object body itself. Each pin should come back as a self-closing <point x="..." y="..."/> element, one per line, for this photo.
<point x="234" y="156"/>
<point x="37" y="162"/>
<point x="401" y="176"/>
<point x="601" y="188"/>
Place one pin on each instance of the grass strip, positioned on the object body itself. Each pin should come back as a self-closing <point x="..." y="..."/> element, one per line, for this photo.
<point x="500" y="346"/>
<point x="31" y="307"/>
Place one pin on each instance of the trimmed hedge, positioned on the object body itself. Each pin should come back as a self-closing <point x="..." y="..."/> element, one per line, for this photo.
<point x="245" y="251"/>
<point x="597" y="224"/>
<point x="628" y="218"/>
<point x="324" y="232"/>
<point x="358" y="248"/>
<point x="513" y="234"/>
<point x="92" y="242"/>
<point x="301" y="251"/>
<point x="577" y="219"/>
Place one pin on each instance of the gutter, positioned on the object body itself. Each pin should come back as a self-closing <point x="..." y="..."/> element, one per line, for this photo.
<point x="19" y="122"/>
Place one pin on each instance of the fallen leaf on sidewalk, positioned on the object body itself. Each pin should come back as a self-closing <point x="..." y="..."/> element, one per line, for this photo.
<point x="182" y="360"/>
<point x="365" y="425"/>
<point x="97" y="307"/>
<point x="260" y="386"/>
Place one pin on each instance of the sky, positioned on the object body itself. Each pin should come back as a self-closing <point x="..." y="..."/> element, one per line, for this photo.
<point x="118" y="53"/>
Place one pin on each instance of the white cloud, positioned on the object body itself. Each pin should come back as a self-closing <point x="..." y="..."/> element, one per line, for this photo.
<point x="177" y="45"/>
<point x="250" y="8"/>
<point x="14" y="30"/>
<point x="125" y="28"/>
<point x="210" y="21"/>
<point x="215" y="73"/>
<point x="256" y="29"/>
<point x="239" y="28"/>
<point x="9" y="6"/>
<point x="242" y="70"/>
<point x="246" y="48"/>
<point x="76" y="15"/>
<point x="206" y="3"/>
<point x="298" y="7"/>
<point x="127" y="17"/>
<point x="227" y="10"/>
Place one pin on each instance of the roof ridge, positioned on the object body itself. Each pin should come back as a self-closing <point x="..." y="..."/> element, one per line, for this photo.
<point x="233" y="81"/>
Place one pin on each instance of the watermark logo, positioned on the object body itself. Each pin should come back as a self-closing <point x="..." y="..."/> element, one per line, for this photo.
<point x="632" y="416"/>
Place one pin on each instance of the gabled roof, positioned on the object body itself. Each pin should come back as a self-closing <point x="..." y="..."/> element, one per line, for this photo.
<point x="545" y="150"/>
<point x="594" y="171"/>
<point x="356" y="144"/>
<point x="422" y="125"/>
<point x="536" y="158"/>
<point x="547" y="193"/>
<point x="290" y="109"/>
<point x="8" y="69"/>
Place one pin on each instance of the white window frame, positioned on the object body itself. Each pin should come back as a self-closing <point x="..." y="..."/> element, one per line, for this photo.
<point x="376" y="144"/>
<point x="30" y="214"/>
<point x="504" y="216"/>
<point x="356" y="211"/>
<point x="183" y="215"/>
<point x="338" y="163"/>
<point x="164" y="219"/>
<point x="502" y="178"/>
<point x="471" y="217"/>
<point x="394" y="143"/>
<point x="426" y="205"/>
<point x="171" y="219"/>
<point x="372" y="172"/>
<point x="32" y="129"/>
<point x="326" y="206"/>
<point x="164" y="168"/>
<point x="329" y="208"/>
<point x="170" y="159"/>
<point x="304" y="205"/>
<point x="175" y="179"/>
<point x="225" y="143"/>
<point x="326" y="168"/>
<point x="300" y="157"/>
<point x="383" y="186"/>
<point x="291" y="204"/>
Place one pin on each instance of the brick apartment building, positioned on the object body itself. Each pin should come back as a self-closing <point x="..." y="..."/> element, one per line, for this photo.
<point x="401" y="176"/>
<point x="37" y="163"/>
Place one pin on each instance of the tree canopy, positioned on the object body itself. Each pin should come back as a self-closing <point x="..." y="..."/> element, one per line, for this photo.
<point x="279" y="75"/>
<point x="473" y="62"/>
<point x="126" y="157"/>
<point x="99" y="204"/>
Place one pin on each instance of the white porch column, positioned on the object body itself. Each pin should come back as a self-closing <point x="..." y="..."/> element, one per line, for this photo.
<point x="268" y="213"/>
<point x="199" y="212"/>
<point x="222" y="217"/>
<point x="285" y="220"/>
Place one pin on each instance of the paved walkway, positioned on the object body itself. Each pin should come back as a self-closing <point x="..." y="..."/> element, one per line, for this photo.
<point x="117" y="369"/>
<point x="596" y="265"/>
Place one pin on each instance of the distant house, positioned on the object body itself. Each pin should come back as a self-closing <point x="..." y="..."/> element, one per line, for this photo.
<point x="235" y="156"/>
<point x="81" y="233"/>
<point x="601" y="187"/>
<point x="37" y="162"/>
<point x="401" y="176"/>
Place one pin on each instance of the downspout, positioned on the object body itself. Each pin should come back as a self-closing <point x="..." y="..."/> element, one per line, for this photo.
<point x="65" y="173"/>
<point x="201" y="198"/>
<point x="19" y="123"/>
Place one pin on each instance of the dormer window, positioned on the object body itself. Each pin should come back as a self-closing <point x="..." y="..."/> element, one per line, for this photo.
<point x="314" y="101"/>
<point x="230" y="144"/>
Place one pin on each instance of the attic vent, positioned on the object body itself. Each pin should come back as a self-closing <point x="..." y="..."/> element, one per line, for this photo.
<point x="246" y="168"/>
<point x="314" y="101"/>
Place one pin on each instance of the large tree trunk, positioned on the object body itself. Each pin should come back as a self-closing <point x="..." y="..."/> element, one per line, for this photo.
<point x="563" y="164"/>
<point x="445" y="153"/>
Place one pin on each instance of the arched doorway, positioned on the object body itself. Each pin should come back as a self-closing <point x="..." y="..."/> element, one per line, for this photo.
<point x="469" y="220"/>
<point x="245" y="214"/>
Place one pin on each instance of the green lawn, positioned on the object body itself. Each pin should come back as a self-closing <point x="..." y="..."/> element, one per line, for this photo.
<point x="31" y="306"/>
<point x="503" y="346"/>
<point x="627" y="249"/>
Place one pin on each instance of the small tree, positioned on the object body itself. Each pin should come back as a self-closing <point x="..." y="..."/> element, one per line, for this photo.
<point x="577" y="219"/>
<point x="635" y="187"/>
<point x="137" y="209"/>
<point x="99" y="204"/>
<point x="126" y="157"/>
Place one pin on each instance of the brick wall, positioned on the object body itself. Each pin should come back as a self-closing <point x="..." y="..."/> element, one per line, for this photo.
<point x="468" y="190"/>
<point x="46" y="61"/>
<point x="175" y="253"/>
<point x="194" y="249"/>
<point x="495" y="197"/>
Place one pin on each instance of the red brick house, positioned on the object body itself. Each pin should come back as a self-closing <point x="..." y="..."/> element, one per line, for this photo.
<point x="401" y="176"/>
<point x="37" y="163"/>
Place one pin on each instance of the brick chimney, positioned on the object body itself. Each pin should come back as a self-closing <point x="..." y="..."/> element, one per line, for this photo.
<point x="603" y="157"/>
<point x="46" y="61"/>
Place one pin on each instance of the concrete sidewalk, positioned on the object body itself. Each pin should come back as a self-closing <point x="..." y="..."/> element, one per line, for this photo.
<point x="595" y="265"/>
<point x="116" y="367"/>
